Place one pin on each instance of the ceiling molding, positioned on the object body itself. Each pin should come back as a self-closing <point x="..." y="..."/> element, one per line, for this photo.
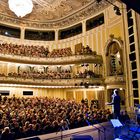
<point x="85" y="12"/>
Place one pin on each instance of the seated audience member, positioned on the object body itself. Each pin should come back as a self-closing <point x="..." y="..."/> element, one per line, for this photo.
<point x="6" y="134"/>
<point x="124" y="117"/>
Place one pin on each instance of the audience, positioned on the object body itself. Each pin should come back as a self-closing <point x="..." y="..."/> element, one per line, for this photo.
<point x="87" y="74"/>
<point x="41" y="51"/>
<point x="33" y="51"/>
<point x="85" y="50"/>
<point x="50" y="74"/>
<point x="24" y="50"/>
<point x="24" y="117"/>
<point x="65" y="74"/>
<point x="61" y="52"/>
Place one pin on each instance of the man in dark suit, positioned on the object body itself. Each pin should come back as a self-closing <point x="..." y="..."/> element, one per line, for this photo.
<point x="116" y="104"/>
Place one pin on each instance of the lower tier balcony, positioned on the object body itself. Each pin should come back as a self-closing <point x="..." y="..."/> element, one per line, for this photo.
<point x="77" y="82"/>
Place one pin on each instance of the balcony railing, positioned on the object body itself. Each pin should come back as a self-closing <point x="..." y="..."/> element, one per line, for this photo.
<point x="51" y="82"/>
<point x="117" y="79"/>
<point x="75" y="59"/>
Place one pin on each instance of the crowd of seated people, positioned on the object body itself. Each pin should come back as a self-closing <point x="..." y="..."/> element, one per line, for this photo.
<point x="33" y="51"/>
<point x="2" y="74"/>
<point x="60" y="52"/>
<point x="87" y="74"/>
<point x="85" y="50"/>
<point x="24" y="117"/>
<point x="40" y="51"/>
<point x="64" y="74"/>
<point x="24" y="50"/>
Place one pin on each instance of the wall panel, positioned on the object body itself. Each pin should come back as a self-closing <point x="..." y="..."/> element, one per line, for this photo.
<point x="79" y="96"/>
<point x="69" y="95"/>
<point x="101" y="99"/>
<point x="116" y="30"/>
<point x="91" y="95"/>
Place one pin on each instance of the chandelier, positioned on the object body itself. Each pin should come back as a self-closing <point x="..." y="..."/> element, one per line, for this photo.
<point x="21" y="7"/>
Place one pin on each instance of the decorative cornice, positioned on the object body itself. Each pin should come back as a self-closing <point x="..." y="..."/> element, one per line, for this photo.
<point x="88" y="11"/>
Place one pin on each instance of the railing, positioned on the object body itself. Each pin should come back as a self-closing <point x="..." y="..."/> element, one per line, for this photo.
<point x="53" y="61"/>
<point x="103" y="131"/>
<point x="50" y="82"/>
<point x="117" y="79"/>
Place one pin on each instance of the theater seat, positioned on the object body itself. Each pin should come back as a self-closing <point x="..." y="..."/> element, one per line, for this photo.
<point x="81" y="137"/>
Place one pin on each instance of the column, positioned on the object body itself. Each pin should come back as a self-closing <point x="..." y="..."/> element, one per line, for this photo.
<point x="84" y="27"/>
<point x="22" y="33"/>
<point x="56" y="35"/>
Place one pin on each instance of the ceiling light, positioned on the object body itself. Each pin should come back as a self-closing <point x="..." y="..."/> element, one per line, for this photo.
<point x="21" y="7"/>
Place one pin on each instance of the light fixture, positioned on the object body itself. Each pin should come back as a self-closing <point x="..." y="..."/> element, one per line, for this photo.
<point x="116" y="8"/>
<point x="21" y="7"/>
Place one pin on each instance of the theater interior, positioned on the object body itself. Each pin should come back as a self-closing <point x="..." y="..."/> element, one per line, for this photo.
<point x="60" y="61"/>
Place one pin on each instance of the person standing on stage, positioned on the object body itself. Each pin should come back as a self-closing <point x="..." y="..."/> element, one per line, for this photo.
<point x="116" y="104"/>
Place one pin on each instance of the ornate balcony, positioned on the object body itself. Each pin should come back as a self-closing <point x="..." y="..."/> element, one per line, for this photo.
<point x="51" y="82"/>
<point x="117" y="79"/>
<point x="75" y="59"/>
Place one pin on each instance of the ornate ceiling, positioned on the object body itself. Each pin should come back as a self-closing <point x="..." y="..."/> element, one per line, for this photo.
<point x="52" y="13"/>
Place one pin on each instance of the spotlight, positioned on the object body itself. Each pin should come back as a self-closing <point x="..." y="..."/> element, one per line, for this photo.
<point x="98" y="1"/>
<point x="117" y="10"/>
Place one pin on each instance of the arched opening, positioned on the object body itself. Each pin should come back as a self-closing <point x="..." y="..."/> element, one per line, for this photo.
<point x="114" y="59"/>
